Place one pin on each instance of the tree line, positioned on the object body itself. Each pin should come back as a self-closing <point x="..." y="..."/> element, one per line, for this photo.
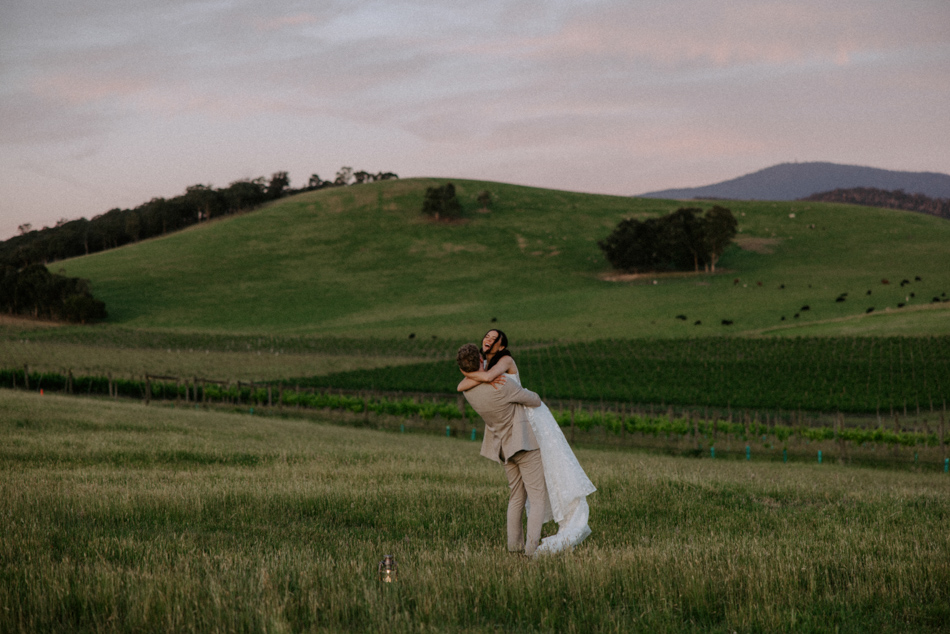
<point x="29" y="289"/>
<point x="897" y="199"/>
<point x="159" y="216"/>
<point x="684" y="239"/>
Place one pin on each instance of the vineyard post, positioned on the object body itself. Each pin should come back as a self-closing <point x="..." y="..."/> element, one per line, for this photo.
<point x="897" y="431"/>
<point x="270" y="396"/>
<point x="943" y="440"/>
<point x="623" y="423"/>
<point x="26" y="375"/>
<point x="148" y="390"/>
<point x="280" y="395"/>
<point x="842" y="445"/>
<point x="572" y="421"/>
<point x="695" y="426"/>
<point x="194" y="389"/>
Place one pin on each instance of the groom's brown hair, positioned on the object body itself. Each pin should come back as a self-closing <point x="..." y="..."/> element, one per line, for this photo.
<point x="469" y="358"/>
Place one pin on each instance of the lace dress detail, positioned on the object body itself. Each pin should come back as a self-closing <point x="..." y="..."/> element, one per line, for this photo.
<point x="567" y="484"/>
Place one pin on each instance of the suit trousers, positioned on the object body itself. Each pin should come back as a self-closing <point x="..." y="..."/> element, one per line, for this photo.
<point x="525" y="482"/>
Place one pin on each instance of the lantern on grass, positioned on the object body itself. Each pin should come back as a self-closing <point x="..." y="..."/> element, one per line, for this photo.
<point x="387" y="571"/>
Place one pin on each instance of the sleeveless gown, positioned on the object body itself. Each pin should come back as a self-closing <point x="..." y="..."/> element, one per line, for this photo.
<point x="567" y="484"/>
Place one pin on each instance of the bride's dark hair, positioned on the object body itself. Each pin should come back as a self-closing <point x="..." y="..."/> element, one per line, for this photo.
<point x="503" y="339"/>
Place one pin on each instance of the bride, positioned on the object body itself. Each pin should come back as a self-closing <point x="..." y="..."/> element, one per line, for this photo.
<point x="567" y="484"/>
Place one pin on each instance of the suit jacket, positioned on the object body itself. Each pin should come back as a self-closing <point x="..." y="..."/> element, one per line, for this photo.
<point x="507" y="430"/>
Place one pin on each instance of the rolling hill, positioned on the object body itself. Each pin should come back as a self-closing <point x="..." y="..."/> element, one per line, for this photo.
<point x="793" y="181"/>
<point x="362" y="262"/>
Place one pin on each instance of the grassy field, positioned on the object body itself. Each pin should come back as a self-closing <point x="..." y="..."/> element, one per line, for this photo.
<point x="123" y="518"/>
<point x="118" y="517"/>
<point x="135" y="362"/>
<point x="362" y="262"/>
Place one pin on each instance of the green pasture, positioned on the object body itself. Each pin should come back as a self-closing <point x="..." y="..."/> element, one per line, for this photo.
<point x="362" y="261"/>
<point x="121" y="518"/>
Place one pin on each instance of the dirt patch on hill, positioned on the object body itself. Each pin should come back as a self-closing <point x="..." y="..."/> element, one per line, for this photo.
<point x="649" y="278"/>
<point x="26" y="322"/>
<point x="765" y="246"/>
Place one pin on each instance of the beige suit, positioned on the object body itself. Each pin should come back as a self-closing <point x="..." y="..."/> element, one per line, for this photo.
<point x="510" y="442"/>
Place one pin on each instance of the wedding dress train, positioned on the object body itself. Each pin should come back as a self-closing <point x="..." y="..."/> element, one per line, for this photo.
<point x="567" y="484"/>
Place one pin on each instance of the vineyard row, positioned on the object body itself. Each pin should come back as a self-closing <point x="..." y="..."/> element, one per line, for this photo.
<point x="617" y="420"/>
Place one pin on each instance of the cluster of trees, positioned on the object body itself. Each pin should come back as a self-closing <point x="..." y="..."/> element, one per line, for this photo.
<point x="441" y="203"/>
<point x="346" y="176"/>
<point x="685" y="239"/>
<point x="897" y="199"/>
<point x="117" y="227"/>
<point x="35" y="292"/>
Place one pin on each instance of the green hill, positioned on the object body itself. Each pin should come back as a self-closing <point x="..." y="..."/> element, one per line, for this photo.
<point x="362" y="261"/>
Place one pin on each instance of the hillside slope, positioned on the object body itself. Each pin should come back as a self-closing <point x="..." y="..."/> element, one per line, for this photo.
<point x="362" y="261"/>
<point x="792" y="181"/>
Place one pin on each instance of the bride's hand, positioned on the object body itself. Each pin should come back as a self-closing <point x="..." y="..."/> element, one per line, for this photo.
<point x="490" y="376"/>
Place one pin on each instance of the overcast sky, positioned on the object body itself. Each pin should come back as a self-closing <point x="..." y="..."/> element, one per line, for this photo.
<point x="109" y="103"/>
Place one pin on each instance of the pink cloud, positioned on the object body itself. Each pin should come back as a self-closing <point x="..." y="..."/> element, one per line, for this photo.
<point x="724" y="35"/>
<point x="276" y="24"/>
<point x="79" y="90"/>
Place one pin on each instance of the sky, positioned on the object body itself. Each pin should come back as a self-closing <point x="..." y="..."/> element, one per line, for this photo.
<point x="110" y="103"/>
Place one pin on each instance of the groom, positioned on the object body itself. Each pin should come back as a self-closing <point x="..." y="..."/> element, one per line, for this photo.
<point x="510" y="442"/>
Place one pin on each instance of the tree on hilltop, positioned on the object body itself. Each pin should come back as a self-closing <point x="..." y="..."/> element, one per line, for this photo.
<point x="485" y="199"/>
<point x="279" y="182"/>
<point x="344" y="176"/>
<point x="441" y="203"/>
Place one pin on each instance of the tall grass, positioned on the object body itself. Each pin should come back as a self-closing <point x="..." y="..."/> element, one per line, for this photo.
<point x="123" y="518"/>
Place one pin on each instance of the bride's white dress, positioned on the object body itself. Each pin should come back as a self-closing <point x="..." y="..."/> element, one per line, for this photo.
<point x="567" y="484"/>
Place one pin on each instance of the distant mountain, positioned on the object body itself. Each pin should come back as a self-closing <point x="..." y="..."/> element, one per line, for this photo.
<point x="792" y="181"/>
